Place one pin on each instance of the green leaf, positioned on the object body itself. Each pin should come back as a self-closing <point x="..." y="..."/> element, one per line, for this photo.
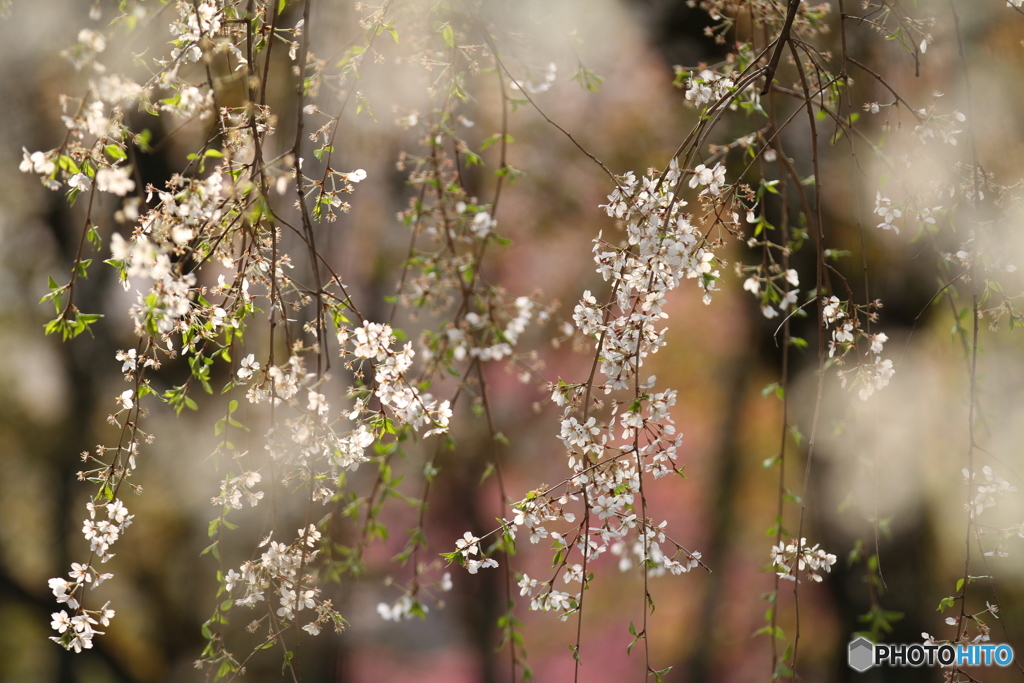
<point x="68" y="164"/>
<point x="782" y="671"/>
<point x="93" y="235"/>
<point x="115" y="152"/>
<point x="587" y="79"/>
<point x="143" y="139"/>
<point x="497" y="137"/>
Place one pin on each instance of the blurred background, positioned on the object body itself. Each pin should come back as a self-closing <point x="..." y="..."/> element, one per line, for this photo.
<point x="896" y="458"/>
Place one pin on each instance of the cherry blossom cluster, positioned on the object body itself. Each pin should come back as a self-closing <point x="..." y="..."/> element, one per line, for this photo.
<point x="808" y="561"/>
<point x="234" y="489"/>
<point x="93" y="155"/>
<point x="106" y="521"/>
<point x="468" y="546"/>
<point x="894" y="23"/>
<point x="281" y="570"/>
<point x="939" y="127"/>
<point x="195" y="21"/>
<point x="199" y="215"/>
<point x="451" y="231"/>
<point x="892" y="213"/>
<point x="169" y="298"/>
<point x="406" y="607"/>
<point x="372" y="341"/>
<point x="707" y="86"/>
<point x="636" y="437"/>
<point x="535" y="85"/>
<point x="76" y="630"/>
<point x="987" y="491"/>
<point x="409" y="604"/>
<point x="844" y="319"/>
<point x="310" y="437"/>
<point x="968" y="622"/>
<point x="776" y="289"/>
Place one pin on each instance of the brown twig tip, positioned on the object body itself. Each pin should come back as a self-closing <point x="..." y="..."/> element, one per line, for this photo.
<point x="780" y="44"/>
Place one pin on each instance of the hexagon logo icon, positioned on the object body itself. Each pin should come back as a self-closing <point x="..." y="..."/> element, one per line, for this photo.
<point x="861" y="656"/>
